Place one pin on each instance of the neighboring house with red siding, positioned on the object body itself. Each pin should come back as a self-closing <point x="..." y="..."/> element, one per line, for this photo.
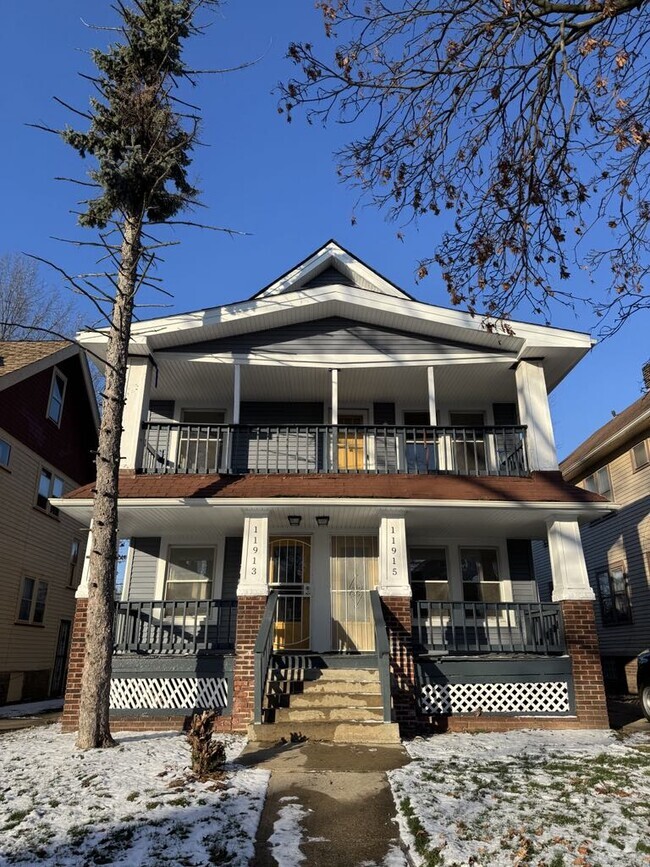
<point x="48" y="436"/>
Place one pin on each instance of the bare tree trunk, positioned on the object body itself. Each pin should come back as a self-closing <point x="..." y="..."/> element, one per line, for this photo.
<point x="96" y="679"/>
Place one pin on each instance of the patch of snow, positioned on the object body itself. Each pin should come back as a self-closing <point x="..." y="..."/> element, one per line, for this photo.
<point x="527" y="797"/>
<point x="135" y="804"/>
<point x="393" y="858"/>
<point x="287" y="833"/>
<point x="26" y="709"/>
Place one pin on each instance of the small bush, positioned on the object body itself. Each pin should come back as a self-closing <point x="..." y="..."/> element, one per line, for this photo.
<point x="208" y="756"/>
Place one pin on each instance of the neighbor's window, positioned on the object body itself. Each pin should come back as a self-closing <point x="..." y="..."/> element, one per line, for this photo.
<point x="640" y="455"/>
<point x="614" y="599"/>
<point x="428" y="571"/>
<point x="480" y="573"/>
<point x="49" y="485"/>
<point x="33" y="595"/>
<point x="75" y="550"/>
<point x="57" y="395"/>
<point x="5" y="452"/>
<point x="600" y="483"/>
<point x="189" y="573"/>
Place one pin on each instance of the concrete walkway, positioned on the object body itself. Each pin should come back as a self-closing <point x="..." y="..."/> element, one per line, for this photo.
<point x="329" y="803"/>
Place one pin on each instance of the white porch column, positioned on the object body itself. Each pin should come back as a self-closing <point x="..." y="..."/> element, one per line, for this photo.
<point x="253" y="576"/>
<point x="431" y="386"/>
<point x="236" y="399"/>
<point x="532" y="398"/>
<point x="82" y="589"/>
<point x="393" y="557"/>
<point x="138" y="385"/>
<point x="570" y="578"/>
<point x="335" y="396"/>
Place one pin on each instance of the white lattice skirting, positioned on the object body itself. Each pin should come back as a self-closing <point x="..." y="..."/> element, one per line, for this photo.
<point x="168" y="693"/>
<point x="550" y="697"/>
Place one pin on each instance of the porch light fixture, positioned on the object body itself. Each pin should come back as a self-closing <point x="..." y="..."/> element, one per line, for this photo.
<point x="294" y="520"/>
<point x="323" y="520"/>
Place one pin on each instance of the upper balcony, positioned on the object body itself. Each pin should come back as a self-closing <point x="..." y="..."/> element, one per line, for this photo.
<point x="241" y="449"/>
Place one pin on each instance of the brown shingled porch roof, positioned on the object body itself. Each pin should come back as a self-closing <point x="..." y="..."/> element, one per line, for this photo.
<point x="541" y="487"/>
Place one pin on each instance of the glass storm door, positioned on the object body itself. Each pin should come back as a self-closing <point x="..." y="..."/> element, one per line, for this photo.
<point x="289" y="574"/>
<point x="351" y="443"/>
<point x="353" y="574"/>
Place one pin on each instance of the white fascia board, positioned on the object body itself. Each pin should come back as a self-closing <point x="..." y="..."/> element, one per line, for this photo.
<point x="28" y="370"/>
<point x="271" y="504"/>
<point x="419" y="317"/>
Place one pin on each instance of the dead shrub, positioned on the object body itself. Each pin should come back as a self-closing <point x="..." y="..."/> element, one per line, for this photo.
<point x="208" y="755"/>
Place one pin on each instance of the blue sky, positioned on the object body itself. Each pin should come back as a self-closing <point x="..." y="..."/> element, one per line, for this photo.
<point x="258" y="174"/>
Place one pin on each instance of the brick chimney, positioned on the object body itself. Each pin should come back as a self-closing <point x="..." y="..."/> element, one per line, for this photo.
<point x="645" y="370"/>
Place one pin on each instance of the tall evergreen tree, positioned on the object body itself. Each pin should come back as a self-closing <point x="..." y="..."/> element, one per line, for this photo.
<point x="141" y="138"/>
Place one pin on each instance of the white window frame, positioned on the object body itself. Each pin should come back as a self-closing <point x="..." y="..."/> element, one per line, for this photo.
<point x="5" y="464"/>
<point x="499" y="581"/>
<point x="56" y="372"/>
<point x="210" y="582"/>
<point x="593" y="479"/>
<point x="48" y="508"/>
<point x="636" y="466"/>
<point x="38" y="583"/>
<point x="416" y="546"/>
<point x="74" y="564"/>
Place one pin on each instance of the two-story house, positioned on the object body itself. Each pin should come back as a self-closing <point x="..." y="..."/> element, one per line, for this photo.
<point x="48" y="434"/>
<point x="615" y="462"/>
<point x="330" y="491"/>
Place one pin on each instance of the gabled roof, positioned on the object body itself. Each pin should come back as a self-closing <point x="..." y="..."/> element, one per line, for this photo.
<point x="613" y="435"/>
<point x="305" y="294"/>
<point x="16" y="354"/>
<point x="332" y="265"/>
<point x="21" y="359"/>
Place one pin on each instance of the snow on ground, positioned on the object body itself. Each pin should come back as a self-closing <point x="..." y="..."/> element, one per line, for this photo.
<point x="544" y="799"/>
<point x="131" y="805"/>
<point x="32" y="708"/>
<point x="286" y="838"/>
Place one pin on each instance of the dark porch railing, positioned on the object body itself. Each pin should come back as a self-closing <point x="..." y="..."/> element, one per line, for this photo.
<point x="262" y="655"/>
<point x="382" y="649"/>
<point x="239" y="449"/>
<point x="459" y="628"/>
<point x="175" y="627"/>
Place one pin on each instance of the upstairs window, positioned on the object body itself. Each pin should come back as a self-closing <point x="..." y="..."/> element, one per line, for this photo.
<point x="613" y="594"/>
<point x="600" y="483"/>
<point x="33" y="595"/>
<point x="5" y="452"/>
<point x="49" y="485"/>
<point x="57" y="396"/>
<point x="640" y="457"/>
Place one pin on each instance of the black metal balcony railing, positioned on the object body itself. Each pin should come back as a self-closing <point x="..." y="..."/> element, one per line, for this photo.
<point x="178" y="627"/>
<point x="458" y="628"/>
<point x="240" y="449"/>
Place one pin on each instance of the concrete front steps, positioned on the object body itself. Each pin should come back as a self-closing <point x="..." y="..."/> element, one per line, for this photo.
<point x="335" y="704"/>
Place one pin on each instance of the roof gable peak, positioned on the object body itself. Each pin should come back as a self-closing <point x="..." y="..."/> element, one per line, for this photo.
<point x="324" y="267"/>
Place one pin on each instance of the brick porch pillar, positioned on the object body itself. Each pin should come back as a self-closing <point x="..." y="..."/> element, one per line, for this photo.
<point x="395" y="591"/>
<point x="576" y="598"/>
<point x="252" y="593"/>
<point x="250" y="610"/>
<point x="70" y="717"/>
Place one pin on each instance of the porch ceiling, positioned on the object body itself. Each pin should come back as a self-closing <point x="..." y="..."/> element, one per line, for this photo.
<point x="202" y="382"/>
<point x="200" y="518"/>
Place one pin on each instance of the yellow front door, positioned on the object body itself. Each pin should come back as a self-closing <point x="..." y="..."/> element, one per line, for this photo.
<point x="351" y="443"/>
<point x="289" y="574"/>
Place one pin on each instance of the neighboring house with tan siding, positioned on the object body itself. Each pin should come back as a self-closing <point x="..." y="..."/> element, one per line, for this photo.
<point x="615" y="462"/>
<point x="48" y="435"/>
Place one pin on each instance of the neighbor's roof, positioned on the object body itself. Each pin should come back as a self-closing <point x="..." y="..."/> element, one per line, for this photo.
<point x="16" y="354"/>
<point x="611" y="436"/>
